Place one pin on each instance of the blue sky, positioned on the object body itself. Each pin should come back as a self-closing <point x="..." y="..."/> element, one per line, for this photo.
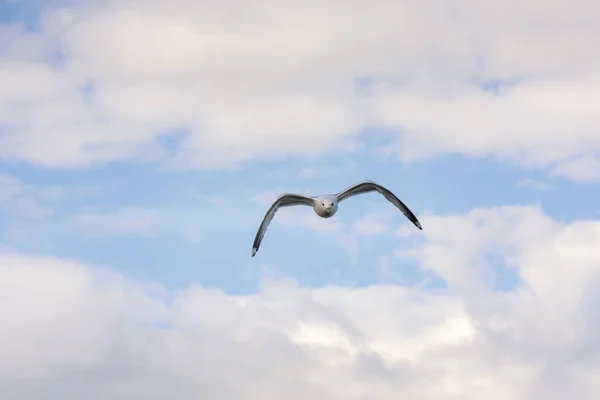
<point x="141" y="146"/>
<point x="206" y="221"/>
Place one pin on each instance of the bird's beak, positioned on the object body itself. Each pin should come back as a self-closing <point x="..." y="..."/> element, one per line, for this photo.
<point x="327" y="209"/>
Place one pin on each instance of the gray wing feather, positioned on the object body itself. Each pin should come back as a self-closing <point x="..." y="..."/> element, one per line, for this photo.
<point x="285" y="200"/>
<point x="370" y="186"/>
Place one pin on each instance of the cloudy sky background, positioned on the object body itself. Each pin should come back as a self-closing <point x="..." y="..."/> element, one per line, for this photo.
<point x="141" y="143"/>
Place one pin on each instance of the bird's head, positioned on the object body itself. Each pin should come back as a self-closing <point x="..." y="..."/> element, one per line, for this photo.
<point x="326" y="206"/>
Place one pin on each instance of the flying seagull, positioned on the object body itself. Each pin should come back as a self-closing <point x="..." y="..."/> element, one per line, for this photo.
<point x="326" y="206"/>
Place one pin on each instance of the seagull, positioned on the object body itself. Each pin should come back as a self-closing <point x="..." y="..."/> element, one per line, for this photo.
<point x="327" y="205"/>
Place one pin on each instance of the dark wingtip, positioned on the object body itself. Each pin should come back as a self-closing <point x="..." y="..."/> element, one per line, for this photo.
<point x="418" y="224"/>
<point x="254" y="251"/>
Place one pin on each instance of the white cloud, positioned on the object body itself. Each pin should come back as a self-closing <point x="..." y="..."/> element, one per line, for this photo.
<point x="457" y="245"/>
<point x="582" y="169"/>
<point x="26" y="200"/>
<point x="71" y="331"/>
<point x="535" y="122"/>
<point x="275" y="80"/>
<point x="534" y="184"/>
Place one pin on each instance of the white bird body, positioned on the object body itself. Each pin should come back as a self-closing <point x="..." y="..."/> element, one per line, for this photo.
<point x="326" y="206"/>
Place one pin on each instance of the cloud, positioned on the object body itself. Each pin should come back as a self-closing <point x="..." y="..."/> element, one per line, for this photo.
<point x="534" y="184"/>
<point x="473" y="78"/>
<point x="29" y="201"/>
<point x="458" y="245"/>
<point x="71" y="330"/>
<point x="582" y="169"/>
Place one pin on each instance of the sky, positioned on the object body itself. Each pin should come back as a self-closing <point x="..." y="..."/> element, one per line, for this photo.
<point x="142" y="142"/>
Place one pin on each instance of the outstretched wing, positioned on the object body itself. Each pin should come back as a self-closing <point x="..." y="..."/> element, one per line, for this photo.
<point x="285" y="200"/>
<point x="370" y="186"/>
